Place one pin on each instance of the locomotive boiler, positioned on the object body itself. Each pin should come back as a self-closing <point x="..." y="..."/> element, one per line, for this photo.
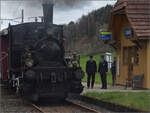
<point x="35" y="64"/>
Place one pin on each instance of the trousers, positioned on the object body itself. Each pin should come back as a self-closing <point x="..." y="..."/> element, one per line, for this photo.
<point x="113" y="79"/>
<point x="104" y="80"/>
<point x="89" y="80"/>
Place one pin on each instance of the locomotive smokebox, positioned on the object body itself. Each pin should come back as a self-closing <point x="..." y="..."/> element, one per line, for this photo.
<point x="48" y="13"/>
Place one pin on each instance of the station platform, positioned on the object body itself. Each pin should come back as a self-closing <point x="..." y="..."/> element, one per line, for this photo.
<point x="110" y="88"/>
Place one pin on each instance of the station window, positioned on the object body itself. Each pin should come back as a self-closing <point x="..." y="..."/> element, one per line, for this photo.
<point x="135" y="54"/>
<point x="136" y="58"/>
<point x="125" y="55"/>
<point x="129" y="53"/>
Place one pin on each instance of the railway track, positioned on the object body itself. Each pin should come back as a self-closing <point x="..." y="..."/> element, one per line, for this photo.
<point x="10" y="102"/>
<point x="63" y="107"/>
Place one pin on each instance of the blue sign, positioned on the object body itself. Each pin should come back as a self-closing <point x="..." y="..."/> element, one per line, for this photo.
<point x="128" y="33"/>
<point x="106" y="35"/>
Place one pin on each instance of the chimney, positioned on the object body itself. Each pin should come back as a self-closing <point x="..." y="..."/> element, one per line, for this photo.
<point x="48" y="13"/>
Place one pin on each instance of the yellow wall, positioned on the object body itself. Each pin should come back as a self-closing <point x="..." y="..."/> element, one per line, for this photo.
<point x="137" y="69"/>
<point x="148" y="65"/>
<point x="141" y="67"/>
<point x="124" y="42"/>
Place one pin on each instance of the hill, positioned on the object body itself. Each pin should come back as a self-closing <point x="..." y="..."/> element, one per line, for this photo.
<point x="83" y="35"/>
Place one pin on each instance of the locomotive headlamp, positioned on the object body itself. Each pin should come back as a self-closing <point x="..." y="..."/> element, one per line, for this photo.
<point x="29" y="62"/>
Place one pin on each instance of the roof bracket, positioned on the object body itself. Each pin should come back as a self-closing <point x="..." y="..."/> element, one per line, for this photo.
<point x="137" y="44"/>
<point x="115" y="44"/>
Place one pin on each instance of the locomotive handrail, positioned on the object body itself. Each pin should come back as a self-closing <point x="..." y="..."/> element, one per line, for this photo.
<point x="52" y="67"/>
<point x="37" y="68"/>
<point x="3" y="57"/>
<point x="17" y="69"/>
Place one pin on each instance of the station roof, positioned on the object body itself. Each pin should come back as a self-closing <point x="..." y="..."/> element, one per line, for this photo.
<point x="138" y="15"/>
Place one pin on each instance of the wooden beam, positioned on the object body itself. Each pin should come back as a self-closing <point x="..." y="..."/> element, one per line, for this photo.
<point x="137" y="44"/>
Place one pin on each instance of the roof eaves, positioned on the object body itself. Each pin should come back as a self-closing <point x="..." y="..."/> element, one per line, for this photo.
<point x="140" y="28"/>
<point x="130" y="22"/>
<point x="119" y="6"/>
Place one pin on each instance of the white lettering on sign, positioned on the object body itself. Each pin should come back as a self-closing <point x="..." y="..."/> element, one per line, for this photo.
<point x="128" y="32"/>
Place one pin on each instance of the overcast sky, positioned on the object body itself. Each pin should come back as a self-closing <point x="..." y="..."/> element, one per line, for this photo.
<point x="63" y="14"/>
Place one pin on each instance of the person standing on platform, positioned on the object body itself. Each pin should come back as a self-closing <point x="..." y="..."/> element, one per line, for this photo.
<point x="91" y="69"/>
<point x="103" y="69"/>
<point x="113" y="71"/>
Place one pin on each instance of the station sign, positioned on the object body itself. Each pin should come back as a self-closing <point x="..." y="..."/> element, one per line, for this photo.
<point x="128" y="33"/>
<point x="106" y="35"/>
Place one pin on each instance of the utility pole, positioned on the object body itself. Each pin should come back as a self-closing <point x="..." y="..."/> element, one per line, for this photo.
<point x="22" y="12"/>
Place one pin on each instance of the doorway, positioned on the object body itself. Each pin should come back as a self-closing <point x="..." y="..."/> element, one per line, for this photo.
<point x="130" y="57"/>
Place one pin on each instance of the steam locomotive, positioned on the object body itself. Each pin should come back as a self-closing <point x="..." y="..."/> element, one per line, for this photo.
<point x="33" y="61"/>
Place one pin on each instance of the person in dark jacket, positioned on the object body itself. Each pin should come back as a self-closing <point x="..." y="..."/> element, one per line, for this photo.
<point x="113" y="71"/>
<point x="102" y="69"/>
<point x="91" y="69"/>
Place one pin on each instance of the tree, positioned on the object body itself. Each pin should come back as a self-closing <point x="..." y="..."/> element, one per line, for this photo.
<point x="88" y="25"/>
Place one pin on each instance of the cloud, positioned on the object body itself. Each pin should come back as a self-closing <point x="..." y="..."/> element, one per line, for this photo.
<point x="60" y="5"/>
<point x="64" y="10"/>
<point x="12" y="9"/>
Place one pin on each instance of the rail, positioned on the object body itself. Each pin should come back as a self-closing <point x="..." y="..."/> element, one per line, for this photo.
<point x="75" y="105"/>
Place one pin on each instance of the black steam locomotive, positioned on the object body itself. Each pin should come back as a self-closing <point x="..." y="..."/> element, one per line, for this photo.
<point x="36" y="64"/>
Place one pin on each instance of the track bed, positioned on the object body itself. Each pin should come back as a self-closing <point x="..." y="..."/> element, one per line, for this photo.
<point x="10" y="103"/>
<point x="61" y="107"/>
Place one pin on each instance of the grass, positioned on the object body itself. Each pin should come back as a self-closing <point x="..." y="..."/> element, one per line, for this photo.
<point x="139" y="100"/>
<point x="84" y="59"/>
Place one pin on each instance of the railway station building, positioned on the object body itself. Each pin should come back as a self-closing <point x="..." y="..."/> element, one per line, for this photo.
<point x="130" y="27"/>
